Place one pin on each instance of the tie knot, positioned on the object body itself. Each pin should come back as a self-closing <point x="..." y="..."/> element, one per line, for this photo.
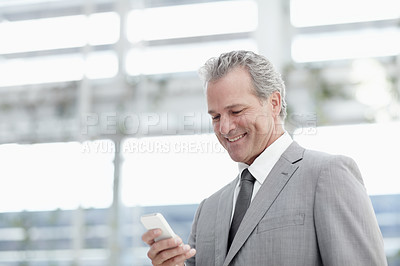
<point x="247" y="176"/>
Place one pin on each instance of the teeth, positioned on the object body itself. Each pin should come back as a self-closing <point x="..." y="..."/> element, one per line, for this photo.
<point x="235" y="139"/>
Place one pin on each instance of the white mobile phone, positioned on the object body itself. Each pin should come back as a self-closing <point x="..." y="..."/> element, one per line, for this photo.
<point x="157" y="220"/>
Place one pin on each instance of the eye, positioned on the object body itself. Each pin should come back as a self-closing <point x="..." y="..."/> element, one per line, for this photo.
<point x="215" y="118"/>
<point x="237" y="112"/>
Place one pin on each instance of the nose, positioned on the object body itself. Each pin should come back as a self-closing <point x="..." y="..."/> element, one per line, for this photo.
<point x="225" y="125"/>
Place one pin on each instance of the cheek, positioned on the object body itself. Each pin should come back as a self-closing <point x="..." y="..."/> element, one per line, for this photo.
<point x="244" y="121"/>
<point x="216" y="127"/>
<point x="216" y="131"/>
<point x="263" y="121"/>
<point x="221" y="141"/>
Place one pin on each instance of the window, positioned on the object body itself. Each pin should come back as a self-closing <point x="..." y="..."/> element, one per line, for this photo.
<point x="308" y="13"/>
<point x="56" y="176"/>
<point x="164" y="170"/>
<point x="336" y="30"/>
<point x="51" y="35"/>
<point x="189" y="20"/>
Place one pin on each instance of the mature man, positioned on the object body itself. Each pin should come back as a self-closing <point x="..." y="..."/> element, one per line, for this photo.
<point x="307" y="208"/>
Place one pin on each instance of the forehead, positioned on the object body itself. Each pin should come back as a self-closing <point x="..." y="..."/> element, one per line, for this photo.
<point x="234" y="89"/>
<point x="237" y="80"/>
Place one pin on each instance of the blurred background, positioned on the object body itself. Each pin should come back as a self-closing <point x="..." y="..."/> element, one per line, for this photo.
<point x="103" y="117"/>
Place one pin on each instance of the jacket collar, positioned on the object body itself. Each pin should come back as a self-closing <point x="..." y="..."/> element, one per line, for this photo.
<point x="269" y="191"/>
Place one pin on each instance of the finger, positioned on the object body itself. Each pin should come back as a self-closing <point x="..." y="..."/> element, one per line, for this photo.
<point x="162" y="245"/>
<point x="180" y="259"/>
<point x="149" y="236"/>
<point x="173" y="256"/>
<point x="190" y="253"/>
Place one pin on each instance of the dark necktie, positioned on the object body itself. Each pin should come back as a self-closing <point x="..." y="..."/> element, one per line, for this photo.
<point x="242" y="203"/>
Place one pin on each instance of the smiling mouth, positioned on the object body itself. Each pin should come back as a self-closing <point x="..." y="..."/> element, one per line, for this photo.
<point x="237" y="138"/>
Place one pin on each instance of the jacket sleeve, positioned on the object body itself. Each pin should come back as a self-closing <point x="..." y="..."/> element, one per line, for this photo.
<point x="345" y="222"/>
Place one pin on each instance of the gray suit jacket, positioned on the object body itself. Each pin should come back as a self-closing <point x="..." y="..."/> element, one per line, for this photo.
<point x="311" y="210"/>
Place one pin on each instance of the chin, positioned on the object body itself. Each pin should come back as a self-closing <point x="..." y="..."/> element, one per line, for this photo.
<point x="236" y="158"/>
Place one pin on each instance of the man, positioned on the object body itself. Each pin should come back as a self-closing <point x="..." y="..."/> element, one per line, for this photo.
<point x="307" y="208"/>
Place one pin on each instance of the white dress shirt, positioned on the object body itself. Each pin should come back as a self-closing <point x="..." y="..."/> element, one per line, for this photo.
<point x="263" y="164"/>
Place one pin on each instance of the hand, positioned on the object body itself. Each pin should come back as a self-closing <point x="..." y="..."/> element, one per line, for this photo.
<point x="167" y="252"/>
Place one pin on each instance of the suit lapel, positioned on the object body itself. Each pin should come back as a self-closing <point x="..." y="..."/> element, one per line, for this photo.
<point x="224" y="212"/>
<point x="269" y="191"/>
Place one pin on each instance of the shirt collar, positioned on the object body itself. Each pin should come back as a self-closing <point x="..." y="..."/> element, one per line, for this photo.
<point x="264" y="163"/>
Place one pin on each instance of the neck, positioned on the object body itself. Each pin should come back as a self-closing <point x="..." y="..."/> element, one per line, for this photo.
<point x="278" y="132"/>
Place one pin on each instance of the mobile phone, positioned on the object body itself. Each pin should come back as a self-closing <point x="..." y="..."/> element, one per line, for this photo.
<point x="157" y="220"/>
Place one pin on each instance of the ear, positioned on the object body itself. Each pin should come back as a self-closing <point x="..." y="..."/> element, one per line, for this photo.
<point x="276" y="103"/>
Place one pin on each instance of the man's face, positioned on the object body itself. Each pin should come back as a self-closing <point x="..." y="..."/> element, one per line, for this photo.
<point x="243" y="124"/>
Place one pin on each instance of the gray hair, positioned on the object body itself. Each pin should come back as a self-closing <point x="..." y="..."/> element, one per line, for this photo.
<point x="266" y="79"/>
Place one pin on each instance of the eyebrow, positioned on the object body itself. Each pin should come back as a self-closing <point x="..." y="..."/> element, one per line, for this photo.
<point x="227" y="107"/>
